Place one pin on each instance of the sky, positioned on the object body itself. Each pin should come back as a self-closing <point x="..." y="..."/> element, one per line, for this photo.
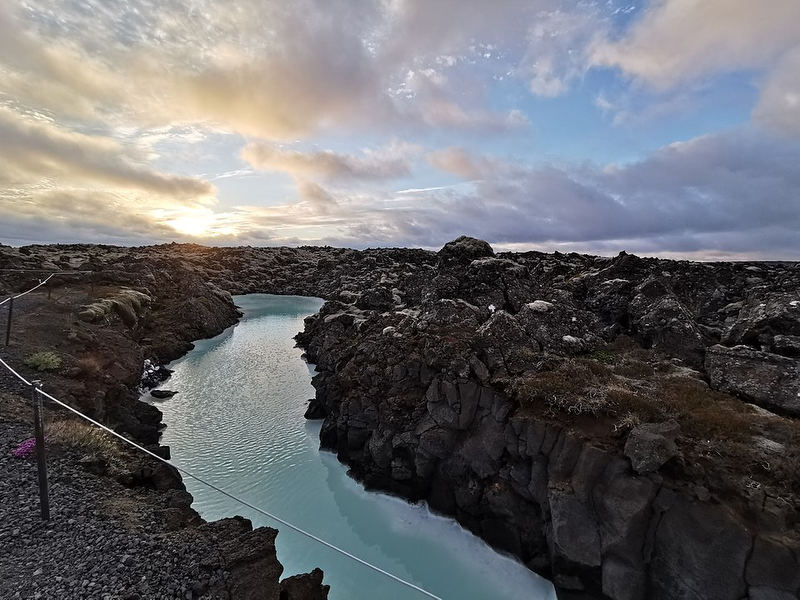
<point x="662" y="127"/>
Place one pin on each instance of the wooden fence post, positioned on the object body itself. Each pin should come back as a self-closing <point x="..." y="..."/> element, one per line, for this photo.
<point x="41" y="457"/>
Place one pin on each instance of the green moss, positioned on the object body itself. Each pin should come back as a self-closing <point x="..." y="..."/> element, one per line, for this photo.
<point x="603" y="356"/>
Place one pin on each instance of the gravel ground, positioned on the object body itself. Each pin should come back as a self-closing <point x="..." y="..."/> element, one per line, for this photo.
<point x="103" y="540"/>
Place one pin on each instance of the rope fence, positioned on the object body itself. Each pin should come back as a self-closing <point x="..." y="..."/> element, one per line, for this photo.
<point x="37" y="394"/>
<point x="25" y="293"/>
<point x="10" y="299"/>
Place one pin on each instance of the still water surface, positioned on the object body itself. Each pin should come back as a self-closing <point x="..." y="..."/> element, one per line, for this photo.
<point x="238" y="422"/>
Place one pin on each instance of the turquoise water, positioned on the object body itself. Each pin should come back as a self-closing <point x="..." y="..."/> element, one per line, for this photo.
<point x="238" y="422"/>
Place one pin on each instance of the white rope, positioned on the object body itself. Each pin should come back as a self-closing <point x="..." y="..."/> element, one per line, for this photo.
<point x="14" y="373"/>
<point x="228" y="494"/>
<point x="41" y="283"/>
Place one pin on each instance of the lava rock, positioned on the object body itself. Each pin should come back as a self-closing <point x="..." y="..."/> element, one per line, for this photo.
<point x="766" y="379"/>
<point x="650" y="445"/>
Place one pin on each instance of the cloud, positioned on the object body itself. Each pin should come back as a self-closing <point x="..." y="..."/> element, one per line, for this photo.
<point x="316" y="196"/>
<point x="270" y="70"/>
<point x="558" y="46"/>
<point x="65" y="214"/>
<point x="675" y="41"/>
<point x="99" y="102"/>
<point x="33" y="148"/>
<point x="717" y="195"/>
<point x="460" y="162"/>
<point x="726" y="195"/>
<point x="384" y="163"/>
<point x="779" y="105"/>
<point x="429" y="102"/>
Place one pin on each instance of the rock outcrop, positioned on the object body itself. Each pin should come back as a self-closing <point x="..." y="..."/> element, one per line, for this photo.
<point x="767" y="379"/>
<point x="512" y="397"/>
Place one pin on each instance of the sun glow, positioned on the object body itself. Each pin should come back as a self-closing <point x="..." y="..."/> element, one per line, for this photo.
<point x="200" y="224"/>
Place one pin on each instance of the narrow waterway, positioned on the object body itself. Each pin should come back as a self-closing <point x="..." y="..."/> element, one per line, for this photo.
<point x="238" y="422"/>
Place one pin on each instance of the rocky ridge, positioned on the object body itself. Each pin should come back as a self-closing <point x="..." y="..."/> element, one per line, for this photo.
<point x="625" y="426"/>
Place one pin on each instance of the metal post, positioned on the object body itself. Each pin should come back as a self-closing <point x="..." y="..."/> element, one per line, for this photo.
<point x="41" y="458"/>
<point x="8" y="323"/>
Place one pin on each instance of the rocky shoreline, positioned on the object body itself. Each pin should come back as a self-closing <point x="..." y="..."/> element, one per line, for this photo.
<point x="122" y="525"/>
<point x="625" y="426"/>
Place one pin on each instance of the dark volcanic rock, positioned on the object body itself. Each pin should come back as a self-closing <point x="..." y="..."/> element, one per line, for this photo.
<point x="499" y="388"/>
<point x="496" y="398"/>
<point x="650" y="445"/>
<point x="304" y="587"/>
<point x="161" y="394"/>
<point x="767" y="379"/>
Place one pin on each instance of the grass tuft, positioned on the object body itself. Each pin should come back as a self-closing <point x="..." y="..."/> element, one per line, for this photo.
<point x="82" y="436"/>
<point x="44" y="361"/>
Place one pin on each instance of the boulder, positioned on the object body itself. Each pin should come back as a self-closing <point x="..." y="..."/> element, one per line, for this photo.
<point x="650" y="445"/>
<point x="315" y="410"/>
<point x="379" y="298"/>
<point x="766" y="379"/>
<point x="787" y="345"/>
<point x="462" y="251"/>
<point x="558" y="327"/>
<point x="765" y="314"/>
<point x="773" y="567"/>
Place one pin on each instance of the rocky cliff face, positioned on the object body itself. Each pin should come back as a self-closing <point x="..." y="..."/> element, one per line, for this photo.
<point x="559" y="406"/>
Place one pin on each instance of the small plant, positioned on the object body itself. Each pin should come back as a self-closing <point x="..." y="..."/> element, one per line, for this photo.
<point x="44" y="361"/>
<point x="603" y="356"/>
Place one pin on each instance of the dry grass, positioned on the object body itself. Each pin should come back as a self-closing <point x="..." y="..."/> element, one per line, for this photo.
<point x="631" y="388"/>
<point x="704" y="412"/>
<point x="627" y="422"/>
<point x="88" y="367"/>
<point x="77" y="435"/>
<point x="574" y="386"/>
